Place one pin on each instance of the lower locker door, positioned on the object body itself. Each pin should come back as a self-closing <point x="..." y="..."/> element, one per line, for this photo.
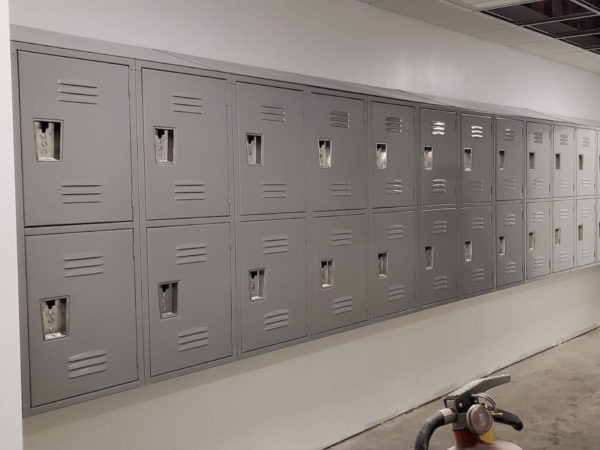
<point x="586" y="232"/>
<point x="563" y="235"/>
<point x="509" y="244"/>
<point x="477" y="252"/>
<point x="538" y="239"/>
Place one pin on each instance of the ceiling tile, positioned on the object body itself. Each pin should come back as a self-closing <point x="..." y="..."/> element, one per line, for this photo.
<point x="548" y="47"/>
<point x="420" y="9"/>
<point x="471" y="23"/>
<point x="513" y="36"/>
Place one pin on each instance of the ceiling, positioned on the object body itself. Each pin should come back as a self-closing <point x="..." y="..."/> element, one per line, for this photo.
<point x="550" y="39"/>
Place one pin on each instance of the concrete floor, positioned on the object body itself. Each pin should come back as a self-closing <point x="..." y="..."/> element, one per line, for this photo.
<point x="556" y="393"/>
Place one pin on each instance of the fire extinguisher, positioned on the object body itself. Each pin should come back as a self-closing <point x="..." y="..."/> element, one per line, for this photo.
<point x="472" y="414"/>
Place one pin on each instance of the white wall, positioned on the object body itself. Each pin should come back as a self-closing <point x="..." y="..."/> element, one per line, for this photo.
<point x="313" y="394"/>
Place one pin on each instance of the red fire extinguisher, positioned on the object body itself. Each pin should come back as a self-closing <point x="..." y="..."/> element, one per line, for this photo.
<point x="472" y="414"/>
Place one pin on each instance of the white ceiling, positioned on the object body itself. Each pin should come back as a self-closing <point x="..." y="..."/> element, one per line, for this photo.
<point x="464" y="16"/>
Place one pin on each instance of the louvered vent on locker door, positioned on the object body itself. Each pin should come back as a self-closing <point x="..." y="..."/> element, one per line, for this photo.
<point x="564" y="139"/>
<point x="586" y="212"/>
<point x="538" y="262"/>
<point x="341" y="188"/>
<point x="476" y="132"/>
<point x="440" y="283"/>
<point x="510" y="220"/>
<point x="271" y="113"/>
<point x="478" y="275"/>
<point x="538" y="137"/>
<point x="393" y="186"/>
<point x="77" y="91"/>
<point x="586" y="141"/>
<point x="192" y="338"/>
<point x="342" y="305"/>
<point x="563" y="214"/>
<point x="510" y="267"/>
<point x="341" y="237"/>
<point x="586" y="252"/>
<point x="189" y="190"/>
<point x="439" y="185"/>
<point x="439" y="227"/>
<point x="191" y="253"/>
<point x="538" y="184"/>
<point x="477" y="223"/>
<point x="275" y="244"/>
<point x="393" y="124"/>
<point x="538" y="216"/>
<point x="476" y="185"/>
<point x="395" y="293"/>
<point x="339" y="119"/>
<point x="82" y="264"/>
<point x="395" y="232"/>
<point x="184" y="102"/>
<point x="563" y="256"/>
<point x="509" y="135"/>
<point x="80" y="192"/>
<point x="87" y="363"/>
<point x="274" y="189"/>
<point x="438" y="128"/>
<point x="276" y="319"/>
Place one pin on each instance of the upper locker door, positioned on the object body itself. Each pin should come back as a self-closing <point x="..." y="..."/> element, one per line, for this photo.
<point x="438" y="255"/>
<point x="438" y="157"/>
<point x="538" y="160"/>
<point x="393" y="156"/>
<point x="510" y="148"/>
<point x="476" y="159"/>
<point x="563" y="235"/>
<point x="76" y="142"/>
<point x="509" y="241"/>
<point x="185" y="142"/>
<point x="586" y="232"/>
<point x="270" y="149"/>
<point x="564" y="151"/>
<point x="538" y="239"/>
<point x="337" y="155"/>
<point x="478" y="249"/>
<point x="585" y="164"/>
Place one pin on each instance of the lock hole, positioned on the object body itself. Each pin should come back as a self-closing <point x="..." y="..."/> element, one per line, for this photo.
<point x="48" y="140"/>
<point x="164" y="145"/>
<point x="325" y="153"/>
<point x="55" y="318"/>
<point x="254" y="149"/>
<point x="168" y="299"/>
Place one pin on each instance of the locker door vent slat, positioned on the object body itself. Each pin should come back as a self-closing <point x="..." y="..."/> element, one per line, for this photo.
<point x="186" y="190"/>
<point x="192" y="338"/>
<point x="273" y="189"/>
<point x="510" y="220"/>
<point x="478" y="275"/>
<point x="509" y="135"/>
<point x="439" y="185"/>
<point x="586" y="212"/>
<point x="538" y="137"/>
<point x="510" y="267"/>
<point x="476" y="132"/>
<point x="510" y="184"/>
<point x="394" y="187"/>
<point x="77" y="91"/>
<point x="564" y="139"/>
<point x="477" y="223"/>
<point x="395" y="232"/>
<point x="563" y="214"/>
<point x="538" y="262"/>
<point x="276" y="319"/>
<point x="440" y="283"/>
<point x="191" y="253"/>
<point x="339" y="119"/>
<point x="271" y="113"/>
<point x="538" y="216"/>
<point x="275" y="244"/>
<point x="438" y="128"/>
<point x="476" y="185"/>
<point x="184" y="102"/>
<point x="341" y="237"/>
<point x="586" y="142"/>
<point x="440" y="227"/>
<point x="80" y="192"/>
<point x="342" y="305"/>
<point x="82" y="264"/>
<point x="87" y="363"/>
<point x="563" y="256"/>
<point x="341" y="189"/>
<point x="393" y="124"/>
<point x="395" y="293"/>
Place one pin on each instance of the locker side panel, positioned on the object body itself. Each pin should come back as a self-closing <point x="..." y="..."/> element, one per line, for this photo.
<point x="272" y="282"/>
<point x="509" y="244"/>
<point x="563" y="235"/>
<point x="476" y="158"/>
<point x="185" y="145"/>
<point x="81" y="306"/>
<point x="393" y="155"/>
<point x="337" y="153"/>
<point x="586" y="232"/>
<point x="190" y="296"/>
<point x="438" y="159"/>
<point x="597" y="229"/>
<point x="585" y="162"/>
<point x="438" y="255"/>
<point x="339" y="271"/>
<point x="510" y="150"/>
<point x="538" y="239"/>
<point x="477" y="249"/>
<point x="76" y="142"/>
<point x="538" y="160"/>
<point x="563" y="163"/>
<point x="391" y="269"/>
<point x="270" y="149"/>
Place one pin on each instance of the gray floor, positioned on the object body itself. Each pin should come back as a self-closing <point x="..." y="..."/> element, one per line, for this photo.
<point x="556" y="393"/>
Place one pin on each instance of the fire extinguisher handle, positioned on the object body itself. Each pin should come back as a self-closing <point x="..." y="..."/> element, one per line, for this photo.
<point x="508" y="418"/>
<point x="432" y="423"/>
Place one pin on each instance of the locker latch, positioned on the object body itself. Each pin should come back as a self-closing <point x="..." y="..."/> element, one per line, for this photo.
<point x="557" y="161"/>
<point x="326" y="273"/>
<point x="580" y="232"/>
<point x="48" y="141"/>
<point x="256" y="279"/>
<point x="168" y="296"/>
<point x="468" y="251"/>
<point x="254" y="149"/>
<point x="382" y="265"/>
<point x="324" y="153"/>
<point x="468" y="159"/>
<point x="428" y="158"/>
<point x="501" y="159"/>
<point x="531" y="160"/>
<point x="428" y="257"/>
<point x="381" y="153"/>
<point x="164" y="145"/>
<point x="531" y="241"/>
<point x="55" y="317"/>
<point x="580" y="160"/>
<point x="557" y="236"/>
<point x="501" y="245"/>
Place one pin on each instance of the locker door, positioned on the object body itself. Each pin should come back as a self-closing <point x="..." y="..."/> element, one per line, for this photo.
<point x="586" y="232"/>
<point x="185" y="142"/>
<point x="563" y="232"/>
<point x="270" y="149"/>
<point x="338" y="156"/>
<point x="477" y="254"/>
<point x="438" y="255"/>
<point x="392" y="269"/>
<point x="563" y="164"/>
<point x="272" y="282"/>
<point x="585" y="164"/>
<point x="538" y="239"/>
<point x="338" y="259"/>
<point x="509" y="242"/>
<point x="597" y="229"/>
<point x="476" y="159"/>
<point x="538" y="160"/>
<point x="438" y="157"/>
<point x="510" y="149"/>
<point x="189" y="290"/>
<point x="76" y="142"/>
<point x="393" y="155"/>
<point x="81" y="308"/>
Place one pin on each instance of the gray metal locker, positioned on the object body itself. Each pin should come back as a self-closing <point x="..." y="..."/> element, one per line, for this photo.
<point x="438" y="159"/>
<point x="393" y="155"/>
<point x="189" y="294"/>
<point x="272" y="282"/>
<point x="270" y="149"/>
<point x="76" y="142"/>
<point x="538" y="160"/>
<point x="185" y="143"/>
<point x="586" y="232"/>
<point x="81" y="310"/>
<point x="563" y="163"/>
<point x="510" y="149"/>
<point x="477" y="252"/>
<point x="509" y="244"/>
<point x="338" y="260"/>
<point x="537" y="239"/>
<point x="337" y="153"/>
<point x="476" y="158"/>
<point x="563" y="235"/>
<point x="585" y="164"/>
<point x="597" y="230"/>
<point x="392" y="263"/>
<point x="438" y="255"/>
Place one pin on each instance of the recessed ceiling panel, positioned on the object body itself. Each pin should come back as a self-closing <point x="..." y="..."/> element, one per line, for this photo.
<point x="541" y="11"/>
<point x="587" y="41"/>
<point x="568" y="27"/>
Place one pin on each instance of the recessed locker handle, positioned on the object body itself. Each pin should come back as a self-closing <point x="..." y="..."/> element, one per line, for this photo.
<point x="254" y="149"/>
<point x="501" y="159"/>
<point x="468" y="251"/>
<point x="325" y="149"/>
<point x="531" y="160"/>
<point x="382" y="265"/>
<point x="557" y="236"/>
<point x="164" y="145"/>
<point x="256" y="280"/>
<point x="580" y="232"/>
<point x="501" y="245"/>
<point x="55" y="318"/>
<point x="580" y="162"/>
<point x="468" y="159"/>
<point x="428" y="257"/>
<point x="168" y="299"/>
<point x="557" y="161"/>
<point x="326" y="273"/>
<point x="381" y="155"/>
<point x="48" y="140"/>
<point x="428" y="157"/>
<point x="532" y="240"/>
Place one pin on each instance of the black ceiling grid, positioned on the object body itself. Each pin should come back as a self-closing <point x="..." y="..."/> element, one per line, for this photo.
<point x="576" y="22"/>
